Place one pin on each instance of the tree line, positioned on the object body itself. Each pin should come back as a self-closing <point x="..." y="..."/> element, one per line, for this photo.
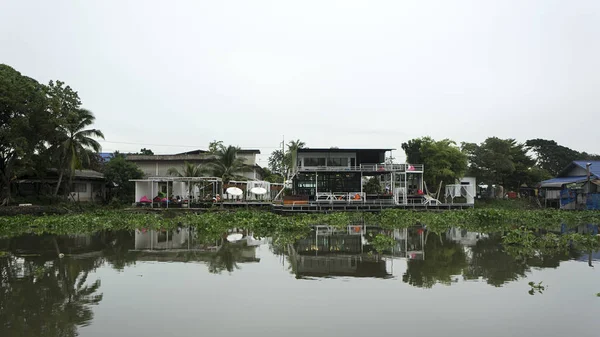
<point x="42" y="126"/>
<point x="504" y="162"/>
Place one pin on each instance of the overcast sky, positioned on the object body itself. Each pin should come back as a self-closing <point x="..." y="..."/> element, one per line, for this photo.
<point x="332" y="73"/>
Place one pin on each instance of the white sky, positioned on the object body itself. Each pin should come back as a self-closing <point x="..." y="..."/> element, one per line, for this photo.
<point x="332" y="73"/>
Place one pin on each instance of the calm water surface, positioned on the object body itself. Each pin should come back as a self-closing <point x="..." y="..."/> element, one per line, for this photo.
<point x="330" y="283"/>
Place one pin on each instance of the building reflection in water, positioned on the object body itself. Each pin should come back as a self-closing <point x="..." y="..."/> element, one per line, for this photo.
<point x="330" y="251"/>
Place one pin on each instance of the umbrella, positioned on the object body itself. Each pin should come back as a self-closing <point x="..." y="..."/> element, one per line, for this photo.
<point x="234" y="191"/>
<point x="234" y="237"/>
<point x="259" y="190"/>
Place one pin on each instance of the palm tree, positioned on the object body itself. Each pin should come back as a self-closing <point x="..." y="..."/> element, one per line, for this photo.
<point x="76" y="144"/>
<point x="189" y="170"/>
<point x="293" y="147"/>
<point x="227" y="165"/>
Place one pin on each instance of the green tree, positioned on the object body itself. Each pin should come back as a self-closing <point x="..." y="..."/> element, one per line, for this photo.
<point x="215" y="146"/>
<point x="443" y="160"/>
<point x="25" y="124"/>
<point x="553" y="157"/>
<point x="119" y="171"/>
<point x="284" y="163"/>
<point x="226" y="164"/>
<point x="500" y="161"/>
<point x="373" y="186"/>
<point x="75" y="144"/>
<point x="146" y="152"/>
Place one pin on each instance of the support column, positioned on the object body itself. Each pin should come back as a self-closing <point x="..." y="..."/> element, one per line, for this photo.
<point x="152" y="193"/>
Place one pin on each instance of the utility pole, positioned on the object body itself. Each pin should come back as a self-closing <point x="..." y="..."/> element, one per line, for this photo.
<point x="587" y="167"/>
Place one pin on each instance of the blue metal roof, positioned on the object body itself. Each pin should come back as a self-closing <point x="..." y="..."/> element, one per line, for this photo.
<point x="558" y="182"/>
<point x="106" y="156"/>
<point x="594" y="168"/>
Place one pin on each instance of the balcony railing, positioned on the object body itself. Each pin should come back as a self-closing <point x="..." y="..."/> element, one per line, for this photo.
<point x="416" y="168"/>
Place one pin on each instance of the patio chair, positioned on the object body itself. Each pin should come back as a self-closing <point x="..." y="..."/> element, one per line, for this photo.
<point x="429" y="200"/>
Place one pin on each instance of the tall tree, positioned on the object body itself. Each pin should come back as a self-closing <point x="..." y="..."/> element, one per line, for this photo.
<point x="226" y="164"/>
<point x="24" y="124"/>
<point x="553" y="157"/>
<point x="443" y="159"/>
<point x="75" y="143"/>
<point x="284" y="163"/>
<point x="500" y="161"/>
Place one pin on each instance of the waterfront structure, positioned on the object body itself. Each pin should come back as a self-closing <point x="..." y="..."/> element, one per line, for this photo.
<point x="340" y="175"/>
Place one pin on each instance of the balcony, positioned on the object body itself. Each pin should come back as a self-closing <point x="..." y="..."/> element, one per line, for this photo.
<point x="410" y="168"/>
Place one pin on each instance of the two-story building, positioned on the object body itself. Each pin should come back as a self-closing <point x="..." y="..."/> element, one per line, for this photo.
<point x="339" y="175"/>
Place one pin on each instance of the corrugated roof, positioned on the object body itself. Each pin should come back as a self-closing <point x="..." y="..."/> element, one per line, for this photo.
<point x="594" y="168"/>
<point x="559" y="182"/>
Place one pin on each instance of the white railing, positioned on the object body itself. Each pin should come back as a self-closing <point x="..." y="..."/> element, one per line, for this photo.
<point x="417" y="168"/>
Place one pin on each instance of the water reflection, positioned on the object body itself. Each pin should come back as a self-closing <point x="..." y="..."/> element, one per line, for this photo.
<point x="41" y="295"/>
<point x="183" y="245"/>
<point x="431" y="258"/>
<point x="44" y="295"/>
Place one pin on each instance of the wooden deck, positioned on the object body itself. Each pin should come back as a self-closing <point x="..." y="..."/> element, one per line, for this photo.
<point x="308" y="208"/>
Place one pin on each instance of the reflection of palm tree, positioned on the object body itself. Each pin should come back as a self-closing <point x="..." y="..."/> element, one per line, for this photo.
<point x="225" y="259"/>
<point x="227" y="165"/>
<point x="46" y="298"/>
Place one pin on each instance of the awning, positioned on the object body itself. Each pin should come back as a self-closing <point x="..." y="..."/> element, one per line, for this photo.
<point x="559" y="182"/>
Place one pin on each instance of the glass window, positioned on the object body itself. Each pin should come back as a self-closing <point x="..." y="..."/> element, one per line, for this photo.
<point x="312" y="161"/>
<point x="337" y="162"/>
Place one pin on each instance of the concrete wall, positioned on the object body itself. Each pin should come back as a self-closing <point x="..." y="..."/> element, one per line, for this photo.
<point x="93" y="191"/>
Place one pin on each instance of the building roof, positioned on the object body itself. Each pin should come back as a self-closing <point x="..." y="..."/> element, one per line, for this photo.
<point x="559" y="182"/>
<point x="199" y="151"/>
<point x="594" y="168"/>
<point x="335" y="149"/>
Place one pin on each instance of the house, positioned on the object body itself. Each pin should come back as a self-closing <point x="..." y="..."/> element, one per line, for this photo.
<point x="339" y="175"/>
<point x="572" y="188"/>
<point x="158" y="165"/>
<point x="87" y="185"/>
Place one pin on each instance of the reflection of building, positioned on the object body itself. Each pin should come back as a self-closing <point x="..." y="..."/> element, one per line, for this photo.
<point x="464" y="237"/>
<point x="151" y="239"/>
<point x="410" y="243"/>
<point x="341" y="265"/>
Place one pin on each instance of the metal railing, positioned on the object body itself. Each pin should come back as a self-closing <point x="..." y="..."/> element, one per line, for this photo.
<point x="416" y="168"/>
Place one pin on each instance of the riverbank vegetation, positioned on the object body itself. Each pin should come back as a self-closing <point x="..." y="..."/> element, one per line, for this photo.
<point x="524" y="226"/>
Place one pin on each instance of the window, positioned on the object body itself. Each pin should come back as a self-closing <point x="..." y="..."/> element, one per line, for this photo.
<point x="80" y="187"/>
<point x="337" y="162"/>
<point x="311" y="161"/>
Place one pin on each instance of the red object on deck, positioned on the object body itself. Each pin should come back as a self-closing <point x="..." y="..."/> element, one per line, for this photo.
<point x="512" y="195"/>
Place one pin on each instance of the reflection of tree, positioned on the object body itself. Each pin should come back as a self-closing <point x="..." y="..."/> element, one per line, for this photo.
<point x="500" y="264"/>
<point x="226" y="258"/>
<point x="117" y="249"/>
<point x="41" y="297"/>
<point x="443" y="259"/>
<point x="492" y="263"/>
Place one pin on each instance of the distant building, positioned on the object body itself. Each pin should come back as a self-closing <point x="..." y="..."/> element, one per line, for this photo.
<point x="87" y="185"/>
<point x="158" y="165"/>
<point x="572" y="187"/>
